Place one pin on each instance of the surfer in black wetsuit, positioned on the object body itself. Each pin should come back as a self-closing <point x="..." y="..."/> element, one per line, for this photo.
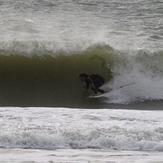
<point x="93" y="81"/>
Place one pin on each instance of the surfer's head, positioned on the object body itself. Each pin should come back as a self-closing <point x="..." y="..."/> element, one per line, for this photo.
<point x="83" y="76"/>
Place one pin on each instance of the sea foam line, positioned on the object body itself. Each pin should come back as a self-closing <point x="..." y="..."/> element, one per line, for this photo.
<point x="55" y="128"/>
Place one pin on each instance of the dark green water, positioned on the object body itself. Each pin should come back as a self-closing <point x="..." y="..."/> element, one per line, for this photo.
<point x="50" y="81"/>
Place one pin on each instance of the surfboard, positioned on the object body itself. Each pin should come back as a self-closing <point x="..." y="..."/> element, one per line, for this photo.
<point x="96" y="95"/>
<point x="100" y="95"/>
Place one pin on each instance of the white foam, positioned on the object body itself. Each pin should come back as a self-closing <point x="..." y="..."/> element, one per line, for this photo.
<point x="138" y="78"/>
<point x="78" y="156"/>
<point x="53" y="128"/>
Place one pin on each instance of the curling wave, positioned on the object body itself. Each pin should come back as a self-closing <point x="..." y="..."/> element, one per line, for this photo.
<point x="46" y="77"/>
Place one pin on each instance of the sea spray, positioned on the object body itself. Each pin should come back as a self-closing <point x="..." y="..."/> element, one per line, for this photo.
<point x="143" y="69"/>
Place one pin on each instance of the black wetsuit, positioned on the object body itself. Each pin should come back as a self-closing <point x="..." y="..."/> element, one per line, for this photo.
<point x="94" y="82"/>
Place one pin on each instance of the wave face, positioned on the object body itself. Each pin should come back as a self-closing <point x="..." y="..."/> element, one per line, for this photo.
<point x="50" y="78"/>
<point x="60" y="128"/>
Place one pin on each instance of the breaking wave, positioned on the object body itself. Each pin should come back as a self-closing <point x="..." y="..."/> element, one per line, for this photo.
<point x="33" y="74"/>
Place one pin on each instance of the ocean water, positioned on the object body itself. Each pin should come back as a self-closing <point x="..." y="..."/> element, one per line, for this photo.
<point x="45" y="45"/>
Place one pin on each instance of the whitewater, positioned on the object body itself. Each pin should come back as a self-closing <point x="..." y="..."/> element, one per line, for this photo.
<point x="80" y="135"/>
<point x="45" y="113"/>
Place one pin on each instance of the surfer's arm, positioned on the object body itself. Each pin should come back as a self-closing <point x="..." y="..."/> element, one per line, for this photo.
<point x="87" y="84"/>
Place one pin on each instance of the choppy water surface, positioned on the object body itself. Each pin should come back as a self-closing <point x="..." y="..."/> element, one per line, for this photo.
<point x="61" y="128"/>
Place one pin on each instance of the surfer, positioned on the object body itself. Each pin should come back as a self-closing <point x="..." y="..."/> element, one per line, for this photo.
<point x="93" y="81"/>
